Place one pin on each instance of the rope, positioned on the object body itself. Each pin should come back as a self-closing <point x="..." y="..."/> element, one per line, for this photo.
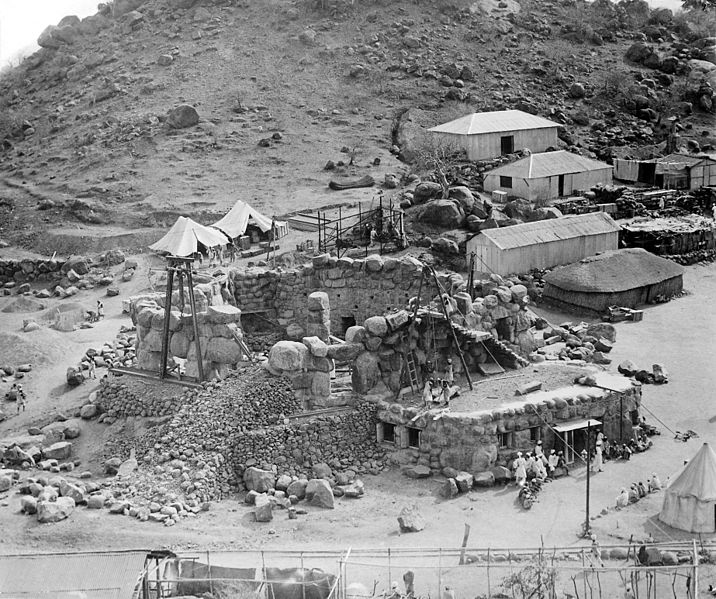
<point x="658" y="420"/>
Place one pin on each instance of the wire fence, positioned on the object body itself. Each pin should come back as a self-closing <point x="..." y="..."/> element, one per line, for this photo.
<point x="654" y="571"/>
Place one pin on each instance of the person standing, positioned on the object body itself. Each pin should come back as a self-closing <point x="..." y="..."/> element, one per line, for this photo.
<point x="552" y="462"/>
<point x="598" y="461"/>
<point x="92" y="366"/>
<point x="100" y="310"/>
<point x="519" y="465"/>
<point x="21" y="399"/>
<point x="450" y="373"/>
<point x="596" y="552"/>
<point x="428" y="393"/>
<point x="446" y="394"/>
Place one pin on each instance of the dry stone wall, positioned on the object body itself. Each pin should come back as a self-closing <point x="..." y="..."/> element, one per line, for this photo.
<point x="470" y="441"/>
<point x="24" y="271"/>
<point x="356" y="289"/>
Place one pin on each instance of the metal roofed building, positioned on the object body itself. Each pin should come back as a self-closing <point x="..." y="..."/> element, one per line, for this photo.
<point x="485" y="135"/>
<point x="110" y="575"/>
<point x="543" y="244"/>
<point x="548" y="175"/>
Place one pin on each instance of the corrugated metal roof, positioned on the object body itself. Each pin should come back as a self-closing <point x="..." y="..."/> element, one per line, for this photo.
<point x="683" y="159"/>
<point x="111" y="575"/>
<point x="549" y="164"/>
<point x="544" y="231"/>
<point x="494" y="122"/>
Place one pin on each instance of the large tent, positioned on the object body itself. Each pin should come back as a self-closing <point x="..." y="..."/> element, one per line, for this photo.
<point x="185" y="237"/>
<point x="690" y="500"/>
<point x="241" y="215"/>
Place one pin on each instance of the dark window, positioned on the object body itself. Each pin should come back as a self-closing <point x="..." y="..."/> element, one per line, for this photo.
<point x="414" y="437"/>
<point x="507" y="144"/>
<point x="347" y="322"/>
<point x="535" y="433"/>
<point x="506" y="182"/>
<point x="388" y="433"/>
<point x="505" y="440"/>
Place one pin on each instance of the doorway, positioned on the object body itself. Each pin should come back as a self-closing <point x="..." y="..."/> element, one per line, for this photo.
<point x="346" y="323"/>
<point x="507" y="144"/>
<point x="560" y="185"/>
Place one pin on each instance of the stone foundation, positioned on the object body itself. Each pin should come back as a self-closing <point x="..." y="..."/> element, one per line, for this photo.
<point x="25" y="271"/>
<point x="473" y="441"/>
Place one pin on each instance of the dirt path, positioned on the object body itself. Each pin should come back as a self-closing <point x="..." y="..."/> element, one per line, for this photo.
<point x="679" y="334"/>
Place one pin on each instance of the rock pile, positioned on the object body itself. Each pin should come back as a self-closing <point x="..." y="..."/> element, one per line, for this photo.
<point x="16" y="272"/>
<point x="120" y="398"/>
<point x="582" y="341"/>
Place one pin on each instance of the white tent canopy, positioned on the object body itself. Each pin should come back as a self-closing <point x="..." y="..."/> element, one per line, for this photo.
<point x="241" y="215"/>
<point x="184" y="237"/>
<point x="690" y="499"/>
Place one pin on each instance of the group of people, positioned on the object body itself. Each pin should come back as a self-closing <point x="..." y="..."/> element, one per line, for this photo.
<point x="98" y="314"/>
<point x="17" y="394"/>
<point x="638" y="491"/>
<point x="218" y="256"/>
<point x="439" y="392"/>
<point x="537" y="464"/>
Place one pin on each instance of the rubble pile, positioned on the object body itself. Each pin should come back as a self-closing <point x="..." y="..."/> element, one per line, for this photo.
<point x="122" y="397"/>
<point x="568" y="341"/>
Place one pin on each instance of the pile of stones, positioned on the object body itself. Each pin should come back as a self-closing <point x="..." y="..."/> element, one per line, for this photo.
<point x="581" y="341"/>
<point x="117" y="398"/>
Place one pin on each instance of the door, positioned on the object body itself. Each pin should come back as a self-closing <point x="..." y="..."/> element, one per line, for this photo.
<point x="560" y="185"/>
<point x="568" y="440"/>
<point x="507" y="144"/>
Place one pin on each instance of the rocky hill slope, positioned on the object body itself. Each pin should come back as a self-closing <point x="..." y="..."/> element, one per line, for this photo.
<point x="280" y="87"/>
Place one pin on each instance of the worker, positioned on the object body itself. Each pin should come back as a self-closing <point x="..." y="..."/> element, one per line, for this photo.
<point x="92" y="366"/>
<point x="596" y="552"/>
<point x="552" y="462"/>
<point x="449" y="373"/>
<point x="519" y="465"/>
<point x="21" y="399"/>
<point x="428" y="393"/>
<point x="654" y="483"/>
<point x="100" y="309"/>
<point x="622" y="499"/>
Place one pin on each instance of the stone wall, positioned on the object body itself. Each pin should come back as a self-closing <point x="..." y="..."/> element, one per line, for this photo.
<point x="356" y="289"/>
<point x="218" y="327"/>
<point x="25" y="271"/>
<point x="344" y="441"/>
<point x="470" y="441"/>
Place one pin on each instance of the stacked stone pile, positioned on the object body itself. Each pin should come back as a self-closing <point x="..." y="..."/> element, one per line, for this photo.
<point x="123" y="397"/>
<point x="23" y="271"/>
<point x="580" y="341"/>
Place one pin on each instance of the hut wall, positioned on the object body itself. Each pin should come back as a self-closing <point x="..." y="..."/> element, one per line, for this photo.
<point x="544" y="255"/>
<point x="702" y="175"/>
<point x="597" y="303"/>
<point x="547" y="188"/>
<point x="488" y="145"/>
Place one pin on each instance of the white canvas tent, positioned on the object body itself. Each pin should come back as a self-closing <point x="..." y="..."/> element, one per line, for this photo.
<point x="241" y="215"/>
<point x="185" y="236"/>
<point x="690" y="499"/>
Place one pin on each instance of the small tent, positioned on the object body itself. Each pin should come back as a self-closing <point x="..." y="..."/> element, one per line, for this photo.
<point x="690" y="499"/>
<point x="186" y="236"/>
<point x="241" y="215"/>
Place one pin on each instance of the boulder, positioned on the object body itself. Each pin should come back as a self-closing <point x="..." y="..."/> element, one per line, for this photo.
<point x="182" y="116"/>
<point x="73" y="491"/>
<point x="283" y="482"/>
<point x="223" y="350"/>
<point x="316" y="346"/>
<point x="355" y="489"/>
<point x="484" y="479"/>
<point x="28" y="504"/>
<point x="58" y="451"/>
<point x="464" y="196"/>
<point x="661" y="376"/>
<point x="322" y="470"/>
<point x="442" y="213"/>
<point x="602" y="329"/>
<point x="417" y="472"/>
<point x="576" y="90"/>
<point x="79" y="264"/>
<point x="223" y="314"/>
<point x="320" y="494"/>
<point x="502" y="475"/>
<point x="54" y="511"/>
<point x="5" y="483"/>
<point x="464" y="481"/>
<point x="122" y="7"/>
<point x="410" y="519"/>
<point x="377" y="325"/>
<point x="355" y="334"/>
<point x="88" y="411"/>
<point x="111" y="466"/>
<point x="287" y="356"/>
<point x="264" y="512"/>
<point x="627" y="368"/>
<point x="427" y="190"/>
<point x="74" y="376"/>
<point x="297" y="488"/>
<point x="366" y="372"/>
<point x="449" y="489"/>
<point x="259" y="480"/>
<point x="344" y="352"/>
<point x="96" y="502"/>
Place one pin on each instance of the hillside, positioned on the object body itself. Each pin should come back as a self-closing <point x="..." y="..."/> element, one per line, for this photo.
<point x="281" y="87"/>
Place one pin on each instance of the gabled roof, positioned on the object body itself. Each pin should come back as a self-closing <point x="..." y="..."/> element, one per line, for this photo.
<point x="184" y="237"/>
<point x="549" y="164"/>
<point x="614" y="271"/>
<point x="685" y="159"/>
<point x="91" y="575"/>
<point x="544" y="231"/>
<point x="241" y="214"/>
<point x="698" y="478"/>
<point x="494" y="122"/>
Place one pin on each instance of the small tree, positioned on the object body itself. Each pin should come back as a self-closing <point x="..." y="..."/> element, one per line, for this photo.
<point x="440" y="156"/>
<point x="536" y="580"/>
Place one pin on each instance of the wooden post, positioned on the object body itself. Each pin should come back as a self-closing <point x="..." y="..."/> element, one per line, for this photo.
<point x="489" y="590"/>
<point x="167" y="312"/>
<point x="586" y="518"/>
<point x="695" y="577"/>
<point x="452" y="330"/>
<point x="320" y="245"/>
<point x="338" y="232"/>
<point x="195" y="322"/>
<point x="465" y="537"/>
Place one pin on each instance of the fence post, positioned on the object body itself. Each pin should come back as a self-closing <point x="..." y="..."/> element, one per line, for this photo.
<point x="390" y="571"/>
<point x="489" y="590"/>
<point x="696" y="571"/>
<point x="440" y="573"/>
<point x="303" y="574"/>
<point x="208" y="568"/>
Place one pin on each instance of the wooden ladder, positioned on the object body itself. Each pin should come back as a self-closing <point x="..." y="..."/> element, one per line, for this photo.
<point x="410" y="365"/>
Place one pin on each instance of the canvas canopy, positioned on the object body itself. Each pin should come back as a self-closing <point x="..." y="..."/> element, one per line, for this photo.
<point x="690" y="499"/>
<point x="241" y="215"/>
<point x="184" y="237"/>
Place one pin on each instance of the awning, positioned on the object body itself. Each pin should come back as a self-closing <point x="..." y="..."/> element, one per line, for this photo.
<point x="572" y="425"/>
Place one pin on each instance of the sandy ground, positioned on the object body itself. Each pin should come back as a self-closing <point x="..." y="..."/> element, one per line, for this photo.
<point x="679" y="334"/>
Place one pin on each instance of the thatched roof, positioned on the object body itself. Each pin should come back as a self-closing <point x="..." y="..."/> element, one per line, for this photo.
<point x="614" y="271"/>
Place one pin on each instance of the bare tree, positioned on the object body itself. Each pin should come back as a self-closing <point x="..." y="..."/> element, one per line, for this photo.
<point x="438" y="155"/>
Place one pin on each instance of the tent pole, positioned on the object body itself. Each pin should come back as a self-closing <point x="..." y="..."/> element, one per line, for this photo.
<point x="167" y="312"/>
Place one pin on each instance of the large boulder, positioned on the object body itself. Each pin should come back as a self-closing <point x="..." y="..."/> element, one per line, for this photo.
<point x="344" y="352"/>
<point x="410" y="519"/>
<point x="427" y="190"/>
<point x="223" y="350"/>
<point x="464" y="196"/>
<point x="287" y="356"/>
<point x="182" y="116"/>
<point x="79" y="264"/>
<point x="122" y="7"/>
<point x="320" y="494"/>
<point x="297" y="488"/>
<point x="54" y="511"/>
<point x="376" y="325"/>
<point x="259" y="480"/>
<point x="366" y="372"/>
<point x="58" y="451"/>
<point x="442" y="213"/>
